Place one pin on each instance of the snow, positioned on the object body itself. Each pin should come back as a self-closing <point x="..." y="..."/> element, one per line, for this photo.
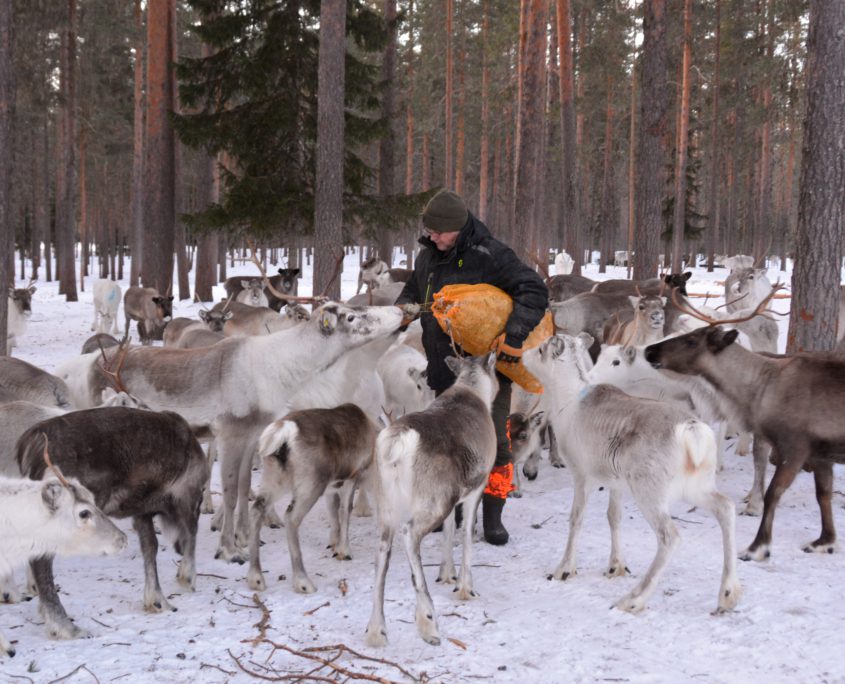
<point x="523" y="627"/>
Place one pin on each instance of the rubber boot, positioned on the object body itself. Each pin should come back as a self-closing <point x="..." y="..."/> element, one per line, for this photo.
<point x="491" y="512"/>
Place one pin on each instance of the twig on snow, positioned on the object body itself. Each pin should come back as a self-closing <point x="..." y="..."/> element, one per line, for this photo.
<point x="314" y="610"/>
<point x="231" y="673"/>
<point x="73" y="672"/>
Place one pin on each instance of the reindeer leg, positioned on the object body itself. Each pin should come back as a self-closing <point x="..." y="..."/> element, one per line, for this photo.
<point x="785" y="473"/>
<point x="332" y="497"/>
<point x="8" y="591"/>
<point x="616" y="566"/>
<point x="230" y="462"/>
<point x="244" y="481"/>
<point x="154" y="600"/>
<point x="341" y="549"/>
<point x="730" y="590"/>
<point x="464" y="588"/>
<point x="59" y="625"/>
<point x="761" y="450"/>
<point x="207" y="503"/>
<point x="255" y="577"/>
<point x="376" y="634"/>
<point x="426" y="622"/>
<point x="305" y="495"/>
<point x="567" y="568"/>
<point x="6" y="646"/>
<point x="667" y="540"/>
<point x="554" y="449"/>
<point x="823" y="474"/>
<point x="187" y="547"/>
<point x="447" y="574"/>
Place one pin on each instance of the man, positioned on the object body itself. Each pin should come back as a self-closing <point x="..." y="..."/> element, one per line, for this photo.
<point x="458" y="248"/>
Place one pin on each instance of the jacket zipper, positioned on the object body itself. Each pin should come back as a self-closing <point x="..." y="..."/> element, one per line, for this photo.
<point x="428" y="289"/>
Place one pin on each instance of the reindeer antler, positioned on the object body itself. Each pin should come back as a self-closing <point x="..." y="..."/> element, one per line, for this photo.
<point x="114" y="375"/>
<point x="228" y="301"/>
<point x="49" y="462"/>
<point x="758" y="311"/>
<point x="269" y="285"/>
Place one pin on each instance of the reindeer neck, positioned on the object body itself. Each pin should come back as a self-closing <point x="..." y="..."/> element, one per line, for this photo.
<point x="736" y="372"/>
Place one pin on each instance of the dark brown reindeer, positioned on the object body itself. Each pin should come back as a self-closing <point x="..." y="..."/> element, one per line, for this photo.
<point x="811" y="433"/>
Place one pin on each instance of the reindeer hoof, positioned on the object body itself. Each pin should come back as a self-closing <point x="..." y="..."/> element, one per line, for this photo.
<point x="377" y="638"/>
<point x="819" y="547"/>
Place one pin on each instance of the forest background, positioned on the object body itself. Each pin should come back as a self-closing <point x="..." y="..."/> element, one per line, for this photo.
<point x="182" y="129"/>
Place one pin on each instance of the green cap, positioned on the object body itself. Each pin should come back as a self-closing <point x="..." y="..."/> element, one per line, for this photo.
<point x="446" y="212"/>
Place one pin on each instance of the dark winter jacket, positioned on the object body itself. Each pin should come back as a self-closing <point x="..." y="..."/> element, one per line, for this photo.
<point x="476" y="258"/>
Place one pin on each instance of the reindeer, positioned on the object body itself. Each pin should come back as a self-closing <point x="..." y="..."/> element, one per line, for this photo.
<point x="428" y="462"/>
<point x="660" y="452"/>
<point x="137" y="464"/>
<point x="375" y="273"/>
<point x="236" y="387"/>
<point x="383" y="296"/>
<point x="564" y="287"/>
<point x="150" y="309"/>
<point x="20" y="311"/>
<point x="252" y="293"/>
<point x="21" y="381"/>
<point x="563" y="263"/>
<point x="402" y="370"/>
<point x="106" y="303"/>
<point x="650" y="286"/>
<point x="309" y="451"/>
<point x="242" y="319"/>
<point x="760" y="388"/>
<point x="56" y="516"/>
<point x="643" y="326"/>
<point x="284" y="282"/>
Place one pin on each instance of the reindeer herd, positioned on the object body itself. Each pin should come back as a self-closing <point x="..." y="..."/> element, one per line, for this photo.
<point x="641" y="389"/>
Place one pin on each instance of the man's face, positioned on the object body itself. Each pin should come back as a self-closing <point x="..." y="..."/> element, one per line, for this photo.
<point x="443" y="241"/>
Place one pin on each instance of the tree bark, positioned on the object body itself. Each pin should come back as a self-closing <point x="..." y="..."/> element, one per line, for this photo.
<point x="180" y="238"/>
<point x="207" y="243"/>
<point x="66" y="189"/>
<point x="7" y="113"/>
<point x="447" y="116"/>
<point x="568" y="129"/>
<point x="484" y="153"/>
<point x="328" y="196"/>
<point x="160" y="144"/>
<point x="821" y="204"/>
<point x="679" y="215"/>
<point x="608" y="217"/>
<point x="409" y="121"/>
<point x="715" y="205"/>
<point x="387" y="145"/>
<point x="651" y="146"/>
<point x="136" y="227"/>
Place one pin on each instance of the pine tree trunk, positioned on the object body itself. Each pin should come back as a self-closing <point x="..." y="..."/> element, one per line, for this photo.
<point x="83" y="208"/>
<point x="160" y="144"/>
<point x="651" y="146"/>
<point x="387" y="145"/>
<point x="41" y="222"/>
<point x="180" y="237"/>
<point x="136" y="229"/>
<point x="328" y="196"/>
<point x="608" y="218"/>
<point x="530" y="125"/>
<point x="821" y="204"/>
<point x="715" y="205"/>
<point x="632" y="138"/>
<point x="679" y="215"/>
<point x="484" y="154"/>
<point x="447" y="116"/>
<point x="460" y="135"/>
<point x="571" y="234"/>
<point x="66" y="194"/>
<point x="409" y="121"/>
<point x="426" y="161"/>
<point x="7" y="113"/>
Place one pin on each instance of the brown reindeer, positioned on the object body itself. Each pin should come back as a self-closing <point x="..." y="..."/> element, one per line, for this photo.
<point x="761" y="388"/>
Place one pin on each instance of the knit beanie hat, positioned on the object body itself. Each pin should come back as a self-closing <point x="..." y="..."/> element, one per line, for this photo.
<point x="446" y="212"/>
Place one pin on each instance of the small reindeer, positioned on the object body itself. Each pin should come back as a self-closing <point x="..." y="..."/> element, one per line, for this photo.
<point x="643" y="326"/>
<point x="427" y="462"/>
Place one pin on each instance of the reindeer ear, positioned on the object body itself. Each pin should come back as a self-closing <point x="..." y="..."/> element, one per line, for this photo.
<point x="158" y="300"/>
<point x="245" y="284"/>
<point x="537" y="418"/>
<point x="663" y="301"/>
<point x="718" y="339"/>
<point x="227" y="315"/>
<point x="630" y="353"/>
<point x="686" y="276"/>
<point x="203" y="314"/>
<point x="454" y="364"/>
<point x="554" y="346"/>
<point x="106" y="394"/>
<point x="586" y="339"/>
<point x="32" y="289"/>
<point x="490" y="362"/>
<point x="634" y="300"/>
<point x="328" y="321"/>
<point x="51" y="494"/>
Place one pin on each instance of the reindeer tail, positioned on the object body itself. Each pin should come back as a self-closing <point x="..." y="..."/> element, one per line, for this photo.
<point x="395" y="454"/>
<point x="276" y="440"/>
<point x="698" y="444"/>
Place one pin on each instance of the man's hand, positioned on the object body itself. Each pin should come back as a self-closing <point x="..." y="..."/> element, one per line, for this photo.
<point x="505" y="352"/>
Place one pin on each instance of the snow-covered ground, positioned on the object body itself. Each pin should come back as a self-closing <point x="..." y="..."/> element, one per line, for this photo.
<point x="788" y="626"/>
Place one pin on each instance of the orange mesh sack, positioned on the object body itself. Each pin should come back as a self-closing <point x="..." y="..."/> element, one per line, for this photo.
<point x="476" y="315"/>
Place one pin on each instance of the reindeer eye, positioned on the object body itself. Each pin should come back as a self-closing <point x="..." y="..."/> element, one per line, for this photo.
<point x="84" y="514"/>
<point x="616" y="362"/>
<point x="350" y="317"/>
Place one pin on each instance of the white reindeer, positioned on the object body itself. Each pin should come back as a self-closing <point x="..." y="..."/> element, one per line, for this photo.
<point x="107" y="297"/>
<point x="307" y="451"/>
<point x="20" y="311"/>
<point x="402" y="370"/>
<point x="428" y="462"/>
<point x="563" y="263"/>
<point x="252" y="293"/>
<point x="54" y="516"/>
<point x="660" y="452"/>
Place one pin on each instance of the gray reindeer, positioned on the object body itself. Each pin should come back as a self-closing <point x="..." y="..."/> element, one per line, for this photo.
<point x="427" y="462"/>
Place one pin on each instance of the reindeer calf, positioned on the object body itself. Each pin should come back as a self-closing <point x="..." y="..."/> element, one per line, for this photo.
<point x="150" y="309"/>
<point x="20" y="310"/>
<point x="642" y="326"/>
<point x="427" y="462"/>
<point x="136" y="463"/>
<point x="309" y="451"/>
<point x="252" y="293"/>
<point x="51" y="517"/>
<point x="661" y="453"/>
